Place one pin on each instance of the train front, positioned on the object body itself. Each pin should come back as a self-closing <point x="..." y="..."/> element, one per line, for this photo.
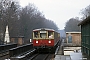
<point x="43" y="38"/>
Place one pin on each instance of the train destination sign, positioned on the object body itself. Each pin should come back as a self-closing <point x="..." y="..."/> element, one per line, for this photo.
<point x="42" y="31"/>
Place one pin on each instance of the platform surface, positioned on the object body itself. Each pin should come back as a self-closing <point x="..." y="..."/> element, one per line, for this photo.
<point x="71" y="55"/>
<point x="62" y="57"/>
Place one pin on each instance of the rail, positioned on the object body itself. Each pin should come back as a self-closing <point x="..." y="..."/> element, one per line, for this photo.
<point x="42" y="57"/>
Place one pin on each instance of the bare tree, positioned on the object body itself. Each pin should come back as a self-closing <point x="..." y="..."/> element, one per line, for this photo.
<point x="31" y="18"/>
<point x="22" y="21"/>
<point x="86" y="12"/>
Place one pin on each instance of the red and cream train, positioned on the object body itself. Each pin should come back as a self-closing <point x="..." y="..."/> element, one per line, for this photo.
<point x="45" y="38"/>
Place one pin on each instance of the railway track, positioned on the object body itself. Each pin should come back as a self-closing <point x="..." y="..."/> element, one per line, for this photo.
<point x="4" y="53"/>
<point x="4" y="57"/>
<point x="23" y="56"/>
<point x="42" y="57"/>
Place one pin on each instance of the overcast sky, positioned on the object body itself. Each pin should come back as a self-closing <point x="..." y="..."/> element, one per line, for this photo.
<point x="59" y="10"/>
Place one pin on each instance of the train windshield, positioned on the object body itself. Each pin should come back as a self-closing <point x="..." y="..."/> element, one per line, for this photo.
<point x="43" y="34"/>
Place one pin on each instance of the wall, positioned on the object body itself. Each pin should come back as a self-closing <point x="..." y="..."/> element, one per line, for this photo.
<point x="18" y="40"/>
<point x="75" y="36"/>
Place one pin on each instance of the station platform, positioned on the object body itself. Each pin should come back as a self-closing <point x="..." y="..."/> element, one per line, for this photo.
<point x="70" y="54"/>
<point x="62" y="57"/>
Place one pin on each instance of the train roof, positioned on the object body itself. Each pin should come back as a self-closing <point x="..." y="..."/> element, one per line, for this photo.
<point x="44" y="29"/>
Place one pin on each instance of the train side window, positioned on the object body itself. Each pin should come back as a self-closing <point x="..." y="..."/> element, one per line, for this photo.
<point x="58" y="34"/>
<point x="36" y="34"/>
<point x="50" y="34"/>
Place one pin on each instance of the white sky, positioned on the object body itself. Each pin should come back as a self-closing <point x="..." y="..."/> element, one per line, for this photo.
<point x="59" y="10"/>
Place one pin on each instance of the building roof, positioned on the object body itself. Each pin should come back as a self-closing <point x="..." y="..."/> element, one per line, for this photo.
<point x="73" y="32"/>
<point x="84" y="21"/>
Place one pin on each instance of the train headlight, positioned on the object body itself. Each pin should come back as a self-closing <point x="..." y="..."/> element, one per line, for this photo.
<point x="49" y="41"/>
<point x="36" y="41"/>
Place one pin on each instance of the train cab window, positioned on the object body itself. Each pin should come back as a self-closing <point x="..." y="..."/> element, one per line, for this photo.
<point x="58" y="34"/>
<point x="43" y="34"/>
<point x="50" y="34"/>
<point x="36" y="34"/>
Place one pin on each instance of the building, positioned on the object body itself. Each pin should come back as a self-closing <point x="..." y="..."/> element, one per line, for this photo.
<point x="85" y="36"/>
<point x="73" y="38"/>
<point x="17" y="39"/>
